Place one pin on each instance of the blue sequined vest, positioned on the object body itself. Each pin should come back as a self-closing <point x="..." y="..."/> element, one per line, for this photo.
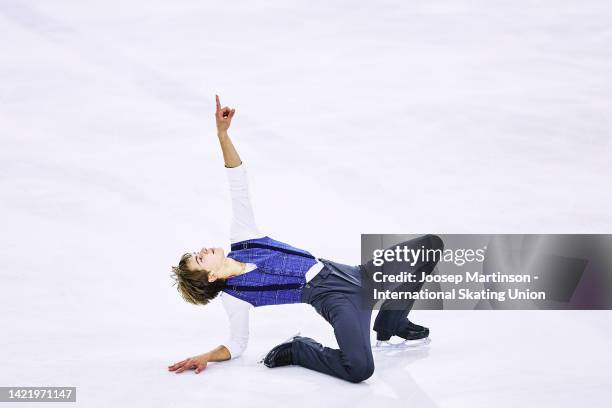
<point x="280" y="274"/>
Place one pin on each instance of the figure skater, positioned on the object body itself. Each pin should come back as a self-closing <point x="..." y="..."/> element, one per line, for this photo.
<point x="261" y="271"/>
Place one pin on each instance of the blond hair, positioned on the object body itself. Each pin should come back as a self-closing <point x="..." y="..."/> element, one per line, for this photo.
<point x="194" y="286"/>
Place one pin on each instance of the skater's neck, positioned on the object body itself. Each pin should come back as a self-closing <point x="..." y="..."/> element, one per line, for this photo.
<point x="230" y="268"/>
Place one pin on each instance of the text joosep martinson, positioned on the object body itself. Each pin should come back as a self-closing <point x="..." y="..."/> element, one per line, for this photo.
<point x="459" y="257"/>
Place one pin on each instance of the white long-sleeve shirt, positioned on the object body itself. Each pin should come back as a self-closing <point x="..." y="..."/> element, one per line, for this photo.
<point x="243" y="227"/>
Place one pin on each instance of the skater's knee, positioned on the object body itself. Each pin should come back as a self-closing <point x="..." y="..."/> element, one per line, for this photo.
<point x="361" y="371"/>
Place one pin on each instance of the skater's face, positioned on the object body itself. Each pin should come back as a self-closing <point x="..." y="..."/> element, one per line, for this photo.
<point x="208" y="259"/>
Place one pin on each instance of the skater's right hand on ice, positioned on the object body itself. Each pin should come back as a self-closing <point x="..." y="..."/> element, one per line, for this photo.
<point x="197" y="363"/>
<point x="223" y="116"/>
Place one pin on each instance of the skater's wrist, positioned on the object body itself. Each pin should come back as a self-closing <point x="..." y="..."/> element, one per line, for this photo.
<point x="220" y="353"/>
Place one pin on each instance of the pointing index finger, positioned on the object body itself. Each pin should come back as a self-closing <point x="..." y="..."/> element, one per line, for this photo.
<point x="218" y="103"/>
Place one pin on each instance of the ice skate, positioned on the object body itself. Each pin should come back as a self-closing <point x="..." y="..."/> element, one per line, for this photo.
<point x="410" y="331"/>
<point x="382" y="345"/>
<point x="413" y="335"/>
<point x="263" y="356"/>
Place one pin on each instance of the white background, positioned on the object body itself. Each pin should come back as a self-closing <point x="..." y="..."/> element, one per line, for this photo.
<point x="352" y="117"/>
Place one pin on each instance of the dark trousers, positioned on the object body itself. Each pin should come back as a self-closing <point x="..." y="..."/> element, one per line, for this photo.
<point x="337" y="294"/>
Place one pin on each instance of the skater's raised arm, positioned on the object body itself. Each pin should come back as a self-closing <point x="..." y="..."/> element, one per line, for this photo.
<point x="243" y="224"/>
<point x="224" y="117"/>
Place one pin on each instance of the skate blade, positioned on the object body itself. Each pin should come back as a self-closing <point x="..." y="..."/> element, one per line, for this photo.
<point x="404" y="345"/>
<point x="263" y="356"/>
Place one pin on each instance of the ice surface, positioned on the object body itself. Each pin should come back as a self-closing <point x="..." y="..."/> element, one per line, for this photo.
<point x="386" y="117"/>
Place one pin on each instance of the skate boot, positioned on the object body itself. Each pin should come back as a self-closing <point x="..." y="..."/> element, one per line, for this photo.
<point x="280" y="355"/>
<point x="411" y="331"/>
<point x="414" y="336"/>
